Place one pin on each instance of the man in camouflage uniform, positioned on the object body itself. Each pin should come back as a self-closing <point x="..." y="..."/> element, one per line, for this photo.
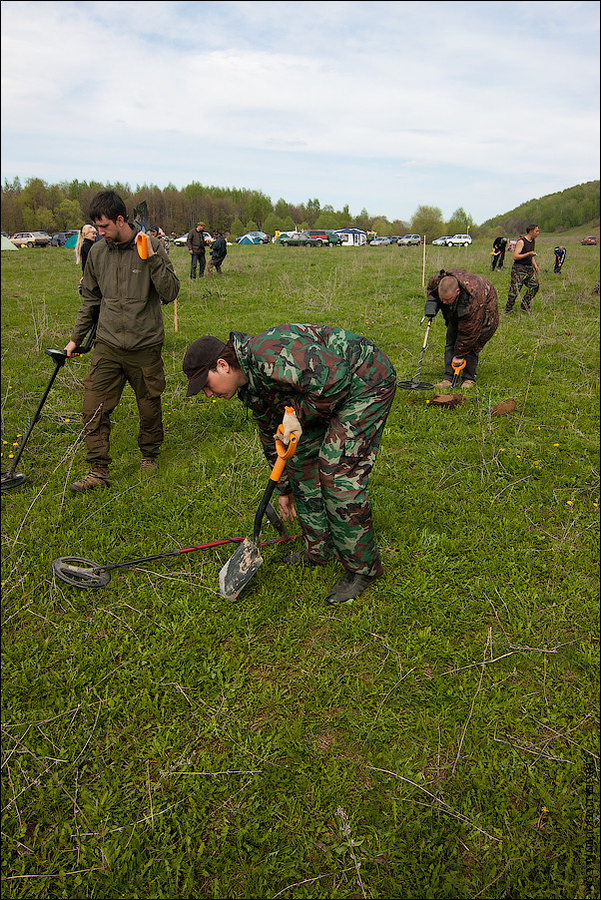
<point x="524" y="272"/>
<point x="471" y="311"/>
<point x="341" y="387"/>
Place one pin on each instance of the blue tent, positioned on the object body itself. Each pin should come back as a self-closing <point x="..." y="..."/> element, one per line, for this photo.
<point x="70" y="242"/>
<point x="248" y="239"/>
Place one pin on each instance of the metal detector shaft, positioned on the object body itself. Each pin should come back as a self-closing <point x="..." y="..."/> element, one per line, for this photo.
<point x="59" y="358"/>
<point x="424" y="348"/>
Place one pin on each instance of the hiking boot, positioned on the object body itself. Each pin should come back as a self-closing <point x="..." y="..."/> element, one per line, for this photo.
<point x="444" y="384"/>
<point x="89" y="482"/>
<point x="468" y="384"/>
<point x="301" y="558"/>
<point x="148" y="465"/>
<point x="350" y="586"/>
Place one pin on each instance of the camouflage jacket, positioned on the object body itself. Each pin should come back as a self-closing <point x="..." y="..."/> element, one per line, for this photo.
<point x="475" y="311"/>
<point x="313" y="368"/>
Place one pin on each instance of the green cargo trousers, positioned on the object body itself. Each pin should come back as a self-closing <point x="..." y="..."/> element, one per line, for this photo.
<point x="104" y="384"/>
<point x="329" y="476"/>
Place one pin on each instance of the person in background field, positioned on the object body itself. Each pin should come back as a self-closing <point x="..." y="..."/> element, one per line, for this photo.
<point x="470" y="309"/>
<point x="524" y="272"/>
<point x="218" y="253"/>
<point x="498" y="253"/>
<point x="560" y="257"/>
<point x="341" y="387"/>
<point x="157" y="232"/>
<point x="122" y="291"/>
<point x="196" y="247"/>
<point x="85" y="241"/>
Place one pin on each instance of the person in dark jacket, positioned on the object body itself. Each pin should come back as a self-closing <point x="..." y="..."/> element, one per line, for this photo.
<point x="470" y="309"/>
<point x="122" y="290"/>
<point x="498" y="253"/>
<point x="196" y="244"/>
<point x="341" y="387"/>
<point x="218" y="253"/>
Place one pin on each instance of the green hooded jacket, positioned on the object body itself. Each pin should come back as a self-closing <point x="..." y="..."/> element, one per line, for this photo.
<point x="124" y="294"/>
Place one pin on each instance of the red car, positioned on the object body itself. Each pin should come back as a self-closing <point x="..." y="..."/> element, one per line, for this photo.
<point x="590" y="241"/>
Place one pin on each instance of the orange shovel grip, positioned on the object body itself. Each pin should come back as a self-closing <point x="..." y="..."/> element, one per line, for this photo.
<point x="142" y="245"/>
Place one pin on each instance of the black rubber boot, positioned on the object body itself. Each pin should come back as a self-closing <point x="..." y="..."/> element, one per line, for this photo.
<point x="301" y="558"/>
<point x="350" y="586"/>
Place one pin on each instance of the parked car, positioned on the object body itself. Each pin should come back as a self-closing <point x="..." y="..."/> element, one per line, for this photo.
<point x="324" y="235"/>
<point x="300" y="239"/>
<point x="410" y="240"/>
<point x="459" y="240"/>
<point x="31" y="239"/>
<point x="589" y="241"/>
<point x="379" y="241"/>
<point x="442" y="241"/>
<point x="253" y="237"/>
<point x="183" y="240"/>
<point x="61" y="237"/>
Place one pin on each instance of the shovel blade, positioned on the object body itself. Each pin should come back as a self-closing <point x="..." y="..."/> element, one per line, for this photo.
<point x="239" y="569"/>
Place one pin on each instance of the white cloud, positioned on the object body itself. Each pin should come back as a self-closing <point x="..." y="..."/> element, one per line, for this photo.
<point x="372" y="88"/>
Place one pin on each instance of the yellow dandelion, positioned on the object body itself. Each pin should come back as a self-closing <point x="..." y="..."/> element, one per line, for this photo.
<point x="67" y="420"/>
<point x="545" y="810"/>
<point x="569" y="502"/>
<point x="556" y="445"/>
<point x="10" y="455"/>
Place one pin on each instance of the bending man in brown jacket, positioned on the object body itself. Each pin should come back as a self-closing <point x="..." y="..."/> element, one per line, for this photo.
<point x="122" y="291"/>
<point x="471" y="311"/>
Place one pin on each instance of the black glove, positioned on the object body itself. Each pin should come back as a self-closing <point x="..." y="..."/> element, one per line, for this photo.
<point x="431" y="308"/>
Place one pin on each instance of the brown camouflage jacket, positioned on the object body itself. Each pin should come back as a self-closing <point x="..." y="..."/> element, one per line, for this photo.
<point x="475" y="311"/>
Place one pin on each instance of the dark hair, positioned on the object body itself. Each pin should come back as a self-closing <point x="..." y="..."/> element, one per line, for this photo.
<point x="229" y="355"/>
<point x="531" y="228"/>
<point x="109" y="204"/>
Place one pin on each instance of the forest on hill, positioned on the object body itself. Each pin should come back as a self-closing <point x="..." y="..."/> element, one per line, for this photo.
<point x="37" y="205"/>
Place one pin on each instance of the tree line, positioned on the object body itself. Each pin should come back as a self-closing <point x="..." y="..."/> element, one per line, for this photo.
<point x="38" y="206"/>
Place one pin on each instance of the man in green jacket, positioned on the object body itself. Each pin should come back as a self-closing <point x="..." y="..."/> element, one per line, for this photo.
<point x="341" y="387"/>
<point x="122" y="291"/>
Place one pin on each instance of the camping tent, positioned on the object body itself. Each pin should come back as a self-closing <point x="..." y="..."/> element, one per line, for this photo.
<point x="8" y="245"/>
<point x="70" y="242"/>
<point x="249" y="239"/>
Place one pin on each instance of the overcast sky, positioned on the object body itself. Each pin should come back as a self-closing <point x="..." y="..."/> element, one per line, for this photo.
<point x="382" y="106"/>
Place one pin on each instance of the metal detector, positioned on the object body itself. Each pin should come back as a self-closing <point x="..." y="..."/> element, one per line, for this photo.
<point x="11" y="478"/>
<point x="416" y="384"/>
<point x="88" y="575"/>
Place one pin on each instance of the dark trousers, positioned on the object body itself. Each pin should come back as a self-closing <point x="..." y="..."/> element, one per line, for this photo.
<point x="471" y="360"/>
<point x="200" y="259"/>
<point x="104" y="385"/>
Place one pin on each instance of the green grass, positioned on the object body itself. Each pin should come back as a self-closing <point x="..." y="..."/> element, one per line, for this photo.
<point x="436" y="738"/>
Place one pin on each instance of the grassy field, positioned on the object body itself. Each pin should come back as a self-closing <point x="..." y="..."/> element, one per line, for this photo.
<point x="436" y="738"/>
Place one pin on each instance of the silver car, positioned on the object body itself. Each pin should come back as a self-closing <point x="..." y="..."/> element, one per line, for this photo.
<point x="410" y="240"/>
<point x="31" y="239"/>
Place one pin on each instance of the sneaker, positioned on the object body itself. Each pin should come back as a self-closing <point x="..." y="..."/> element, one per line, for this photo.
<point x="350" y="586"/>
<point x="444" y="384"/>
<point x="468" y="384"/>
<point x="301" y="558"/>
<point x="89" y="482"/>
<point x="148" y="464"/>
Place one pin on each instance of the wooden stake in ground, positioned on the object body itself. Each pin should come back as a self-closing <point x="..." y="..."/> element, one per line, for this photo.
<point x="175" y="314"/>
<point x="424" y="264"/>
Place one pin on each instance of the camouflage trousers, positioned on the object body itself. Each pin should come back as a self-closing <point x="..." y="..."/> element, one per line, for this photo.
<point x="104" y="384"/>
<point x="330" y="474"/>
<point x="522" y="276"/>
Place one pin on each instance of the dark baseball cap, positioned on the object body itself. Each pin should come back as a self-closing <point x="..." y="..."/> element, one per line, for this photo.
<point x="200" y="357"/>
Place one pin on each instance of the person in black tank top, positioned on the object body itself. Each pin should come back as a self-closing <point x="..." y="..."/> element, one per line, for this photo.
<point x="524" y="272"/>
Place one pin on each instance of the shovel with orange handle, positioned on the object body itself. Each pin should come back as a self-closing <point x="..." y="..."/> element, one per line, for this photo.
<point x="243" y="564"/>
